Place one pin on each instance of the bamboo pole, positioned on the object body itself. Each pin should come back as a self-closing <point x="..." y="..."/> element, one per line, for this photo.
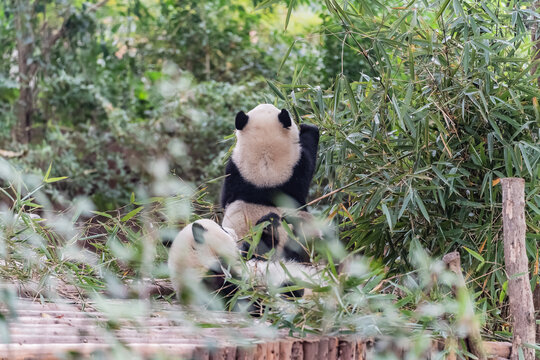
<point x="517" y="267"/>
<point x="360" y="350"/>
<point x="245" y="353"/>
<point x="272" y="351"/>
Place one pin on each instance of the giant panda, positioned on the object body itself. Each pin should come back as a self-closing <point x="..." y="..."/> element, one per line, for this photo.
<point x="201" y="257"/>
<point x="272" y="160"/>
<point x="205" y="267"/>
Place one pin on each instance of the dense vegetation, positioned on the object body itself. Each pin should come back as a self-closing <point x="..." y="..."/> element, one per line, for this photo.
<point x="422" y="107"/>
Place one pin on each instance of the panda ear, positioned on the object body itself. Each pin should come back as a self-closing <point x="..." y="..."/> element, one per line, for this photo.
<point x="198" y="233"/>
<point x="285" y="118"/>
<point x="241" y="120"/>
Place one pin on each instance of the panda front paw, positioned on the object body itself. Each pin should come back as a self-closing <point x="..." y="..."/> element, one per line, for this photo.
<point x="273" y="218"/>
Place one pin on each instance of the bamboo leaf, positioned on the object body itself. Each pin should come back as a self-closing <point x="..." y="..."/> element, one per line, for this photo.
<point x="131" y="214"/>
<point x="350" y="95"/>
<point x="47" y="173"/>
<point x="286" y="56"/>
<point x="266" y="3"/>
<point x="386" y="213"/>
<point x="502" y="295"/>
<point x="289" y="11"/>
<point x="48" y="180"/>
<point x="275" y="89"/>
<point x="443" y="7"/>
<point x="490" y="13"/>
<point x="405" y="204"/>
<point x="51" y="180"/>
<point x="476" y="255"/>
<point x="109" y="216"/>
<point x="422" y="207"/>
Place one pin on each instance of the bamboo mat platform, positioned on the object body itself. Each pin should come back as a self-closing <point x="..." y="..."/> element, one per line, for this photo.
<point x="59" y="331"/>
<point x="51" y="330"/>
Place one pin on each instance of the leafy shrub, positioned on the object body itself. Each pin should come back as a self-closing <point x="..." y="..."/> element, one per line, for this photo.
<point x="418" y="142"/>
<point x="116" y="93"/>
<point x="53" y="253"/>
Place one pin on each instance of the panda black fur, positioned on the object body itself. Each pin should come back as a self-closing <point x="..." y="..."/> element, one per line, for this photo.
<point x="272" y="158"/>
<point x="205" y="253"/>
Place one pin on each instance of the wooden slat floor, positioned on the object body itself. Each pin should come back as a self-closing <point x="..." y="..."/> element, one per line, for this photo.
<point x="52" y="330"/>
<point x="160" y="330"/>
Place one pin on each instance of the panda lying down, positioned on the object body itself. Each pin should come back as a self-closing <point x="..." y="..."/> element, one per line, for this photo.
<point x="204" y="259"/>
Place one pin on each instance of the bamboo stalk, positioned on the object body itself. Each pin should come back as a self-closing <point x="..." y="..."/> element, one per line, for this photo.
<point x="55" y="351"/>
<point x="261" y="351"/>
<point x="360" y="350"/>
<point x="224" y="353"/>
<point x="272" y="351"/>
<point x="245" y="353"/>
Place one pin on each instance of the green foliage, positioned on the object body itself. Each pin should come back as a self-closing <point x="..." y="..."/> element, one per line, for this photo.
<point x="213" y="46"/>
<point x="126" y="84"/>
<point x="112" y="255"/>
<point x="109" y="161"/>
<point x="418" y="141"/>
<point x="422" y="107"/>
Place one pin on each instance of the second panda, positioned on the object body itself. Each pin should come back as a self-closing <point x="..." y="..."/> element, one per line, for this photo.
<point x="204" y="266"/>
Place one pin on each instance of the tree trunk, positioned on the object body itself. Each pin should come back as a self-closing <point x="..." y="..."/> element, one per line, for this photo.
<point x="517" y="267"/>
<point x="23" y="111"/>
<point x="25" y="103"/>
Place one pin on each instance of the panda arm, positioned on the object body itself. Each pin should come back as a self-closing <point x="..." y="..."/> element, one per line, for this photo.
<point x="309" y="140"/>
<point x="227" y="194"/>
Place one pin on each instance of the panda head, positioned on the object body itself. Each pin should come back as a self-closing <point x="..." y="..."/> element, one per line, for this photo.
<point x="267" y="145"/>
<point x="202" y="248"/>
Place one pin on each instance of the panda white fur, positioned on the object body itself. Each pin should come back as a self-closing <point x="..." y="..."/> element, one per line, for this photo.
<point x="272" y="274"/>
<point x="203" y="250"/>
<point x="272" y="159"/>
<point x="204" y="256"/>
